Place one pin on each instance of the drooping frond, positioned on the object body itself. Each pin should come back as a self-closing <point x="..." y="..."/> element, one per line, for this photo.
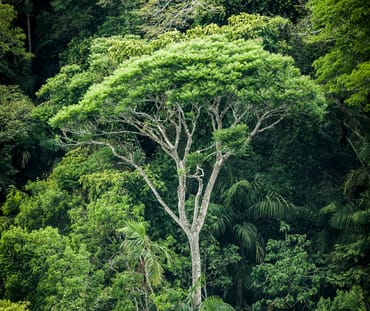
<point x="220" y="217"/>
<point x="245" y="234"/>
<point x="357" y="178"/>
<point x="365" y="152"/>
<point x="214" y="303"/>
<point x="153" y="268"/>
<point x="321" y="242"/>
<point x="361" y="218"/>
<point x="238" y="193"/>
<point x="272" y="205"/>
<point x="328" y="209"/>
<point x="347" y="217"/>
<point x="142" y="251"/>
<point x="306" y="213"/>
<point x="260" y="250"/>
<point x="342" y="218"/>
<point x="352" y="299"/>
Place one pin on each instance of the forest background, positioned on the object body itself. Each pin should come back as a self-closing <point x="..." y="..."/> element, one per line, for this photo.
<point x="132" y="132"/>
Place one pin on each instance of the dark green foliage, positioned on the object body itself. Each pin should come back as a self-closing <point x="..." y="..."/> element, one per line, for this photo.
<point x="288" y="278"/>
<point x="14" y="58"/>
<point x="344" y="69"/>
<point x="16" y="129"/>
<point x="24" y="144"/>
<point x="292" y="9"/>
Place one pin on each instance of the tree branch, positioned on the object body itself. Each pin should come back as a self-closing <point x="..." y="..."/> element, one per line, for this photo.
<point x="146" y="179"/>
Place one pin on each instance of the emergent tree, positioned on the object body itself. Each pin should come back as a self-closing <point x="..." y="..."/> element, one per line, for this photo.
<point x="201" y="101"/>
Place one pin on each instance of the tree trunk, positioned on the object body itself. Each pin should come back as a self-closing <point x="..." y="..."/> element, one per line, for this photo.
<point x="29" y="33"/>
<point x="193" y="238"/>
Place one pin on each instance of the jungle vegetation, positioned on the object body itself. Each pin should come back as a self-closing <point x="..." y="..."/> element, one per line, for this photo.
<point x="184" y="155"/>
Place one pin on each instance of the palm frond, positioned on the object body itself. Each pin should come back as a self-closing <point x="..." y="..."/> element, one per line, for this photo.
<point x="328" y="209"/>
<point x="260" y="251"/>
<point x="272" y="205"/>
<point x="342" y="218"/>
<point x="238" y="193"/>
<point x="214" y="303"/>
<point x="352" y="300"/>
<point x="358" y="177"/>
<point x="361" y="218"/>
<point x="245" y="234"/>
<point x="220" y="217"/>
<point x="306" y="213"/>
<point x="153" y="269"/>
<point x="141" y="251"/>
<point x="365" y="152"/>
<point x="321" y="242"/>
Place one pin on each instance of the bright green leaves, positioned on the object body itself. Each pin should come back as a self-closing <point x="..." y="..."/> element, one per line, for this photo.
<point x="288" y="277"/>
<point x="271" y="31"/>
<point x="22" y="260"/>
<point x="344" y="70"/>
<point x="61" y="90"/>
<point x="42" y="267"/>
<point x="86" y="202"/>
<point x="70" y="281"/>
<point x="215" y="304"/>
<point x="357" y="84"/>
<point x="47" y="206"/>
<point x="107" y="53"/>
<point x="161" y="16"/>
<point x="352" y="299"/>
<point x="233" y="139"/>
<point x="7" y="305"/>
<point x="196" y="73"/>
<point x="15" y="115"/>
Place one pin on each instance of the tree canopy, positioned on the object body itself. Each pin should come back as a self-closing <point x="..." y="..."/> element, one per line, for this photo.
<point x="229" y="85"/>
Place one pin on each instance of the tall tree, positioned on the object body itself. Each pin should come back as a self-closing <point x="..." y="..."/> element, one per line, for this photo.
<point x="195" y="100"/>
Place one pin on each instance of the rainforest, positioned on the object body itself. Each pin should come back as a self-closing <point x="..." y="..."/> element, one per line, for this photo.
<point x="160" y="155"/>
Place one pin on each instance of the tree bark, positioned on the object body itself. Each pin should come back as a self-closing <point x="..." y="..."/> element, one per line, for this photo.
<point x="196" y="272"/>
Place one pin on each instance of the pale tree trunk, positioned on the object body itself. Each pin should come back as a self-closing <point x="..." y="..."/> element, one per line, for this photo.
<point x="196" y="272"/>
<point x="178" y="146"/>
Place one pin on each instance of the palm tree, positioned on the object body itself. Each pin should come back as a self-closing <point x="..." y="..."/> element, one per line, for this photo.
<point x="143" y="254"/>
<point x="243" y="206"/>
